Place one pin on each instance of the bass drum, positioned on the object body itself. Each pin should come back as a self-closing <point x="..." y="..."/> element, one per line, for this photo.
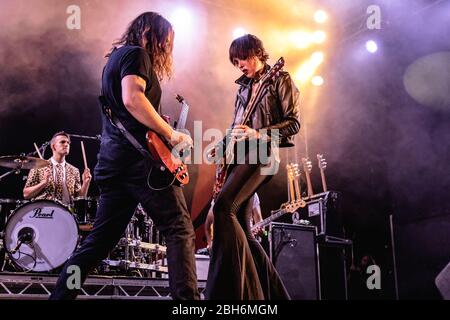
<point x="41" y="235"/>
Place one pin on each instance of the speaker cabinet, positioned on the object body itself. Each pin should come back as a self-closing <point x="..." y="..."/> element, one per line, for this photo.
<point x="333" y="270"/>
<point x="293" y="251"/>
<point x="323" y="211"/>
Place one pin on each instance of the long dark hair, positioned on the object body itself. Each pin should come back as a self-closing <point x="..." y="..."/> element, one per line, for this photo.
<point x="159" y="35"/>
<point x="247" y="46"/>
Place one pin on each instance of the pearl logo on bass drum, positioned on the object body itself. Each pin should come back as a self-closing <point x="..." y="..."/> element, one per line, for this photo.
<point x="39" y="214"/>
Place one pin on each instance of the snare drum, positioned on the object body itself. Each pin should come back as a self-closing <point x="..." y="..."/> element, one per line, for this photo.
<point x="41" y="235"/>
<point x="85" y="209"/>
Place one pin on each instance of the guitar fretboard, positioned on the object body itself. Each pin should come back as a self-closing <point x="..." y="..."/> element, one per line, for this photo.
<point x="272" y="217"/>
<point x="181" y="124"/>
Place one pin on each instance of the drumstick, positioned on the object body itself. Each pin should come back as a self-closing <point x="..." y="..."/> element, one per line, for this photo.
<point x="84" y="155"/>
<point x="37" y="150"/>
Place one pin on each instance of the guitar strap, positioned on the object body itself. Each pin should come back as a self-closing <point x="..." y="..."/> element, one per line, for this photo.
<point x="119" y="125"/>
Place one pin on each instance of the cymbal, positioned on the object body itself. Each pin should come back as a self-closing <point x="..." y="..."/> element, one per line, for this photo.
<point x="22" y="162"/>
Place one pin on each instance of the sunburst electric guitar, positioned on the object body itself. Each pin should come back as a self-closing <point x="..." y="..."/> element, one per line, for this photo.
<point x="164" y="153"/>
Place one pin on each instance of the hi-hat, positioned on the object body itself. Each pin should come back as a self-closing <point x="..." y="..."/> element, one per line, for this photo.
<point x="22" y="162"/>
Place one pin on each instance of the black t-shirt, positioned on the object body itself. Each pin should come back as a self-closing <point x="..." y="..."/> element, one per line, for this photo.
<point x="116" y="152"/>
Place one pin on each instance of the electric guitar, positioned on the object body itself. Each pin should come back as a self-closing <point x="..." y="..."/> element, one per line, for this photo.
<point x="294" y="195"/>
<point x="307" y="167"/>
<point x="162" y="151"/>
<point x="322" y="163"/>
<point x="275" y="214"/>
<point x="222" y="168"/>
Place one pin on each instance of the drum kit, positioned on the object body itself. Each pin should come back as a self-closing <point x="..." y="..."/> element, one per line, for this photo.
<point x="41" y="235"/>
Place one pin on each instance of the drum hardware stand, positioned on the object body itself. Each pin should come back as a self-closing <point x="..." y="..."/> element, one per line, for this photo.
<point x="131" y="261"/>
<point x="154" y="247"/>
<point x="8" y="173"/>
<point x="2" y="252"/>
<point x="127" y="265"/>
<point x="43" y="147"/>
<point x="134" y="256"/>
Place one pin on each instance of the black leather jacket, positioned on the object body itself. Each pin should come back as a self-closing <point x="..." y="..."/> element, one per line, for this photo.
<point x="276" y="108"/>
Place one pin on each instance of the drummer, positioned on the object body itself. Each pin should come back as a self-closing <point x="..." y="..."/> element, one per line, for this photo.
<point x="59" y="180"/>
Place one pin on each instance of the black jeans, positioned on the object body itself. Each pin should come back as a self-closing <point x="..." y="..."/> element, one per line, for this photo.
<point x="118" y="200"/>
<point x="239" y="267"/>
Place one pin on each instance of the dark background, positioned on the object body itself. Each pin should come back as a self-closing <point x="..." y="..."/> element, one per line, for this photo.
<point x="381" y="120"/>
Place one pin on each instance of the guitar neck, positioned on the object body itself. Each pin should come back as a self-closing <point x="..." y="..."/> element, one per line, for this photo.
<point x="324" y="181"/>
<point x="181" y="124"/>
<point x="291" y="189"/>
<point x="269" y="219"/>
<point x="260" y="88"/>
<point x="298" y="191"/>
<point x="309" y="184"/>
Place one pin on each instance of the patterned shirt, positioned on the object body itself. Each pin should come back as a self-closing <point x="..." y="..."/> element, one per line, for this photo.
<point x="72" y="177"/>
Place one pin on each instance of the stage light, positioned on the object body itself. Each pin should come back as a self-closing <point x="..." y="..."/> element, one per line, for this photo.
<point x="300" y="39"/>
<point x="317" y="81"/>
<point x="317" y="58"/>
<point x="371" y="46"/>
<point x="239" y="32"/>
<point x="181" y="19"/>
<point x="305" y="71"/>
<point x="320" y="16"/>
<point x="319" y="36"/>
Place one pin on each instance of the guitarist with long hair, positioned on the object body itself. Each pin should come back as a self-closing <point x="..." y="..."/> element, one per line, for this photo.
<point x="131" y="94"/>
<point x="239" y="267"/>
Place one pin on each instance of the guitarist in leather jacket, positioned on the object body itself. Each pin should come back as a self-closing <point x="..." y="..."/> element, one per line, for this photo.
<point x="131" y="90"/>
<point x="239" y="267"/>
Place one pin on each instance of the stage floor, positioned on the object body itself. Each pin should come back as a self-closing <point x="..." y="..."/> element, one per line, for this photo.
<point x="38" y="286"/>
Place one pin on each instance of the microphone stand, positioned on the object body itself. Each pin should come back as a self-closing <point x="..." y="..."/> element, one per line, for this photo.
<point x="8" y="173"/>
<point x="97" y="137"/>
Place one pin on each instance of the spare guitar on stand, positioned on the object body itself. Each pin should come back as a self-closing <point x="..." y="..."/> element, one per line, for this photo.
<point x="322" y="163"/>
<point x="322" y="209"/>
<point x="307" y="167"/>
<point x="294" y="195"/>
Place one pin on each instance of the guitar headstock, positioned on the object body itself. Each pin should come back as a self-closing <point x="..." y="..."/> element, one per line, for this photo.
<point x="321" y="162"/>
<point x="295" y="199"/>
<point x="290" y="207"/>
<point x="293" y="170"/>
<point x="179" y="98"/>
<point x="307" y="165"/>
<point x="274" y="70"/>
